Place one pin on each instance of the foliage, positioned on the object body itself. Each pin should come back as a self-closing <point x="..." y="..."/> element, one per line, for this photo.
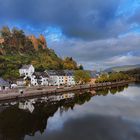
<point x="19" y="49"/>
<point x="81" y="77"/>
<point x="69" y="63"/>
<point x="112" y="77"/>
<point x="135" y="74"/>
<point x="81" y="67"/>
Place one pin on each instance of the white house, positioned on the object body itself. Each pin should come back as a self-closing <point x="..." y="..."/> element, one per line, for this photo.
<point x="39" y="78"/>
<point x="56" y="77"/>
<point x="14" y="85"/>
<point x="4" y="85"/>
<point x="60" y="77"/>
<point x="27" y="70"/>
<point x="34" y="80"/>
<point x="21" y="82"/>
<point x="69" y="77"/>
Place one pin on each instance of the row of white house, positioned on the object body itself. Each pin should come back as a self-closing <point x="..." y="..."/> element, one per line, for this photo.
<point x="48" y="77"/>
<point x="61" y="77"/>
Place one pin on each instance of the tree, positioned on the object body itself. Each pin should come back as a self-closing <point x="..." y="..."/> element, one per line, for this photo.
<point x="81" y="67"/>
<point x="102" y="78"/>
<point x="112" y="77"/>
<point x="81" y="77"/>
<point x="5" y="32"/>
<point x="69" y="63"/>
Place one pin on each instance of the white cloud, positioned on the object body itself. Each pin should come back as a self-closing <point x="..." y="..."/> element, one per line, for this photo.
<point x="101" y="53"/>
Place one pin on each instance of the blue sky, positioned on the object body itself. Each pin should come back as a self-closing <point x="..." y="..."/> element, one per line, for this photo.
<point x="97" y="33"/>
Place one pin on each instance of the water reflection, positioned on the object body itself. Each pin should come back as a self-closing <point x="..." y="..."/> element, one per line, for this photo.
<point x="111" y="90"/>
<point x="29" y="119"/>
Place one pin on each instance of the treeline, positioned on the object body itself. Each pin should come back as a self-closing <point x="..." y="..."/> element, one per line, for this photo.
<point x="135" y="73"/>
<point x="112" y="77"/>
<point x="82" y="76"/>
<point x="17" y="49"/>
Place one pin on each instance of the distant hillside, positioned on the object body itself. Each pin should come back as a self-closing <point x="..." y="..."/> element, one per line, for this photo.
<point x="17" y="49"/>
<point x="122" y="68"/>
<point x="135" y="73"/>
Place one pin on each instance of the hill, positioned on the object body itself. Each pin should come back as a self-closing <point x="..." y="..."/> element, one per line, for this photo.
<point x="135" y="73"/>
<point x="122" y="68"/>
<point x="17" y="49"/>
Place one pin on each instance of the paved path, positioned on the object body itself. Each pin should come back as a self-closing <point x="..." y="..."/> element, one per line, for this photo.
<point x="42" y="91"/>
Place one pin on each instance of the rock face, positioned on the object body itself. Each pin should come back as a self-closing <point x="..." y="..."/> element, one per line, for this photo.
<point x="34" y="41"/>
<point x="1" y="40"/>
<point x="43" y="41"/>
<point x="38" y="42"/>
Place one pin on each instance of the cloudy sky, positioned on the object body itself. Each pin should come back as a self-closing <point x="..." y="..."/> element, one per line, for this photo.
<point x="97" y="33"/>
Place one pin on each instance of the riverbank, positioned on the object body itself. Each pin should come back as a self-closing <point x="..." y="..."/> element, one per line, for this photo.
<point x="43" y="91"/>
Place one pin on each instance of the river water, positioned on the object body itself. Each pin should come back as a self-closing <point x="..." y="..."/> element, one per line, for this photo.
<point x="110" y="115"/>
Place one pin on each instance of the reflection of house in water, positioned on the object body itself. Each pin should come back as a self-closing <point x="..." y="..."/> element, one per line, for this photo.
<point x="27" y="105"/>
<point x="61" y="97"/>
<point x="17" y="123"/>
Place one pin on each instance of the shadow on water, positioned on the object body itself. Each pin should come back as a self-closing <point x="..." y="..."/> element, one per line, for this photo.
<point x="16" y="123"/>
<point x="105" y="91"/>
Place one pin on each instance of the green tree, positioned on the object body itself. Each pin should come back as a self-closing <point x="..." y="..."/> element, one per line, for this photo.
<point x="112" y="77"/>
<point x="69" y="63"/>
<point x="81" y="77"/>
<point x="81" y="67"/>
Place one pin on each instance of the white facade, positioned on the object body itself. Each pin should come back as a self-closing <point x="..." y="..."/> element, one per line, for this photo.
<point x="61" y="80"/>
<point x="34" y="81"/>
<point x="53" y="80"/>
<point x="61" y="77"/>
<point x="13" y="85"/>
<point x="44" y="81"/>
<point x="70" y="80"/>
<point x="56" y="80"/>
<point x="40" y="81"/>
<point x="21" y="82"/>
<point x="27" y="70"/>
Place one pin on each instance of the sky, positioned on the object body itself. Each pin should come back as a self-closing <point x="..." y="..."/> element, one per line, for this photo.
<point x="96" y="33"/>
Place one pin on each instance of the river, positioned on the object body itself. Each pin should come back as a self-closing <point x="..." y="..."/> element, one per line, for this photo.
<point x="110" y="115"/>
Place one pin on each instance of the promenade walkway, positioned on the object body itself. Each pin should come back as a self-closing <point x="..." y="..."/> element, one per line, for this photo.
<point x="42" y="91"/>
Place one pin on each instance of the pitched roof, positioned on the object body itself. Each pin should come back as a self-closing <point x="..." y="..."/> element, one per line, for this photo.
<point x="3" y="82"/>
<point x="93" y="74"/>
<point x="26" y="66"/>
<point x="69" y="72"/>
<point x="39" y="74"/>
<point x="55" y="72"/>
<point x="60" y="72"/>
